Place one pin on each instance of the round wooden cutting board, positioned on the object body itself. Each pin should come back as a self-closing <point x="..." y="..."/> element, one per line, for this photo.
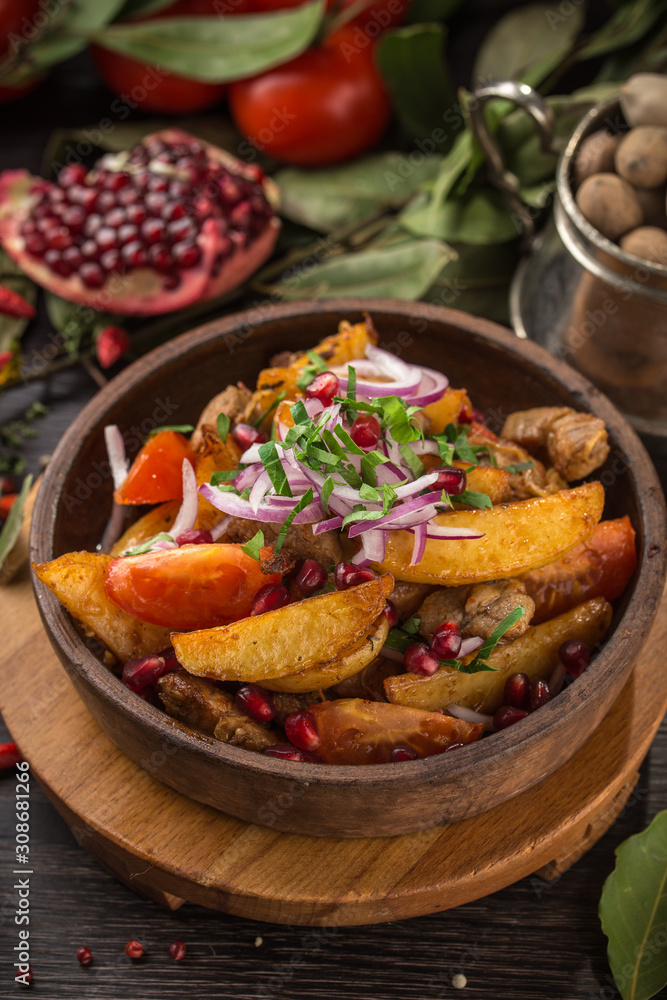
<point x="172" y="849"/>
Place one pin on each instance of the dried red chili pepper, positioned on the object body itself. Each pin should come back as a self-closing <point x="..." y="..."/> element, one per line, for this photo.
<point x="9" y="756"/>
<point x="13" y="304"/>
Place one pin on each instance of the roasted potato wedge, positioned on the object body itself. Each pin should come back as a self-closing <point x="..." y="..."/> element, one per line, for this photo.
<point x="214" y="455"/>
<point x="534" y="653"/>
<point x="288" y="640"/>
<point x="156" y="520"/>
<point x="488" y="479"/>
<point x="517" y="537"/>
<point x="446" y="409"/>
<point x="77" y="580"/>
<point x="348" y="662"/>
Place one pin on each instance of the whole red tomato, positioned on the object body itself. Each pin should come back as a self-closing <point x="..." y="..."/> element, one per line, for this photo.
<point x="158" y="90"/>
<point x="327" y="105"/>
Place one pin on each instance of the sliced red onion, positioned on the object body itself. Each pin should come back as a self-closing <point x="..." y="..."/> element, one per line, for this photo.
<point x="430" y="389"/>
<point x="424" y="447"/>
<point x="251" y="455"/>
<point x="313" y="407"/>
<point x="247" y="477"/>
<point x="232" y="504"/>
<point x="470" y="645"/>
<point x="187" y="514"/>
<point x="403" y="516"/>
<point x="261" y="487"/>
<point x="467" y="714"/>
<point x="115" y="445"/>
<point x="419" y="544"/>
<point x="411" y="489"/>
<point x="373" y="547"/>
<point x="451" y="534"/>
<point x="332" y="524"/>
<point x="163" y="543"/>
<point x="220" y="528"/>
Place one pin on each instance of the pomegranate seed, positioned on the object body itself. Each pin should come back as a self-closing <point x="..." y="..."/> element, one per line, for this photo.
<point x="128" y="196"/>
<point x="177" y="950"/>
<point x="92" y="223"/>
<point x="402" y="752"/>
<point x="419" y="659"/>
<point x="575" y="655"/>
<point x="84" y="955"/>
<point x="195" y="536"/>
<point x="286" y="752"/>
<point x="136" y="214"/>
<point x="115" y="218"/>
<point x="110" y="260"/>
<point x="73" y="257"/>
<point x="229" y="190"/>
<point x="301" y="730"/>
<point x="246" y="436"/>
<point x="127" y="232"/>
<point x="173" y="210"/>
<point x="134" y="254"/>
<point x="74" y="173"/>
<point x="255" y="173"/>
<point x="90" y="249"/>
<point x="539" y="695"/>
<point x="159" y="185"/>
<point x="170" y="661"/>
<point x="323" y="387"/>
<point x="106" y="200"/>
<point x="446" y="641"/>
<point x="391" y="613"/>
<point x="450" y="480"/>
<point x="153" y="230"/>
<point x="159" y="256"/>
<point x="134" y="949"/>
<point x="348" y="575"/>
<point x="186" y="254"/>
<point x="311" y="577"/>
<point x="506" y="716"/>
<point x="91" y="274"/>
<point x="179" y="190"/>
<point x="140" y="673"/>
<point x="240" y="215"/>
<point x="116" y="180"/>
<point x="270" y="597"/>
<point x="182" y="229"/>
<point x="155" y="202"/>
<point x="476" y="416"/>
<point x="53" y="260"/>
<point x="172" y="281"/>
<point x="366" y="430"/>
<point x="74" y="218"/>
<point x="142" y="180"/>
<point x="35" y="245"/>
<point x="517" y="691"/>
<point x="255" y="702"/>
<point x="106" y="238"/>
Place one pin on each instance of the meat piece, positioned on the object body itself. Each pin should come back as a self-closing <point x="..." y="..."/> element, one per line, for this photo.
<point x="477" y="608"/>
<point x="283" y="563"/>
<point x="202" y="705"/>
<point x="369" y="682"/>
<point x="300" y="542"/>
<point x="534" y="481"/>
<point x="576" y="443"/>
<point x="283" y="360"/>
<point x="408" y="596"/>
<point x="232" y="401"/>
<point x="285" y="703"/>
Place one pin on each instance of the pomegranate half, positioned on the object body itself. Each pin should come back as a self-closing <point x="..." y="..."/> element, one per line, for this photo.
<point x="173" y="221"/>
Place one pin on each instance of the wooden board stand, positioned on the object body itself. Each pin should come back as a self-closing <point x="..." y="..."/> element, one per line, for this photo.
<point x="171" y="849"/>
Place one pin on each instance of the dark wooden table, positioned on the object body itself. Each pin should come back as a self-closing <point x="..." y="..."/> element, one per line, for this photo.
<point x="531" y="941"/>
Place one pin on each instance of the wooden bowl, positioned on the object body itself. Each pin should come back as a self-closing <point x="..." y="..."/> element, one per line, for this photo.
<point x="170" y="386"/>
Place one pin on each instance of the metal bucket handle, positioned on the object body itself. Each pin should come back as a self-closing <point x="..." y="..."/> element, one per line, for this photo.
<point x="524" y="97"/>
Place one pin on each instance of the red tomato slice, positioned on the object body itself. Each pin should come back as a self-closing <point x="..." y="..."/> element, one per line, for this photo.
<point x="156" y="474"/>
<point x="354" y="731"/>
<point x="599" y="567"/>
<point x="196" y="586"/>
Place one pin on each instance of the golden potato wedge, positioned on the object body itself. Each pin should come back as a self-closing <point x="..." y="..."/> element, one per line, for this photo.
<point x="534" y="653"/>
<point x="156" y="520"/>
<point x="517" y="537"/>
<point x="77" y="580"/>
<point x="446" y="409"/>
<point x="214" y="455"/>
<point x="288" y="640"/>
<point x="487" y="479"/>
<point x="348" y="662"/>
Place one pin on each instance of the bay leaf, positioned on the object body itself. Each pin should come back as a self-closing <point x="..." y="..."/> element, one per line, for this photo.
<point x="404" y="271"/>
<point x="480" y="216"/>
<point x="217" y="49"/>
<point x="633" y="913"/>
<point x="527" y="44"/>
<point x="626" y="25"/>
<point x="12" y="526"/>
<point x="74" y="322"/>
<point x="341" y="196"/>
<point x="412" y="63"/>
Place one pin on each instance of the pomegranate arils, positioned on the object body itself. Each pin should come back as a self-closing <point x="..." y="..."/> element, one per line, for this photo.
<point x="450" y="480"/>
<point x="311" y="577"/>
<point x="91" y="275"/>
<point x="136" y="214"/>
<point x="419" y="659"/>
<point x="110" y="260"/>
<point x="186" y="254"/>
<point x="575" y="655"/>
<point x="74" y="173"/>
<point x="348" y="575"/>
<point x="286" y="752"/>
<point x="134" y="949"/>
<point x="195" y="536"/>
<point x="246" y="436"/>
<point x="323" y="387"/>
<point x="270" y="597"/>
<point x="115" y="218"/>
<point x="366" y="430"/>
<point x="134" y="254"/>
<point x="446" y="640"/>
<point x="177" y="950"/>
<point x="84" y="955"/>
<point x="256" y="702"/>
<point x="159" y="256"/>
<point x="140" y="673"/>
<point x="539" y="695"/>
<point x="506" y="716"/>
<point x="402" y="752"/>
<point x="390" y="612"/>
<point x="301" y="730"/>
<point x="127" y="232"/>
<point x="517" y="691"/>
<point x="107" y="238"/>
<point x="153" y="230"/>
<point x="92" y="224"/>
<point x="105" y="201"/>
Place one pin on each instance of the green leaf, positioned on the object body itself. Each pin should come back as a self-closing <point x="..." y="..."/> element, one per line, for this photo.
<point x="262" y="417"/>
<point x="254" y="546"/>
<point x="223" y="424"/>
<point x="270" y="459"/>
<point x="479" y="663"/>
<point x="224" y="476"/>
<point x="480" y="217"/>
<point x="138" y="550"/>
<point x="217" y="49"/>
<point x="342" y="196"/>
<point x="303" y="503"/>
<point x="472" y="499"/>
<point x="11" y="276"/>
<point x="527" y="44"/>
<point x="326" y="491"/>
<point x="633" y="913"/>
<point x="12" y="526"/>
<point x="179" y="428"/>
<point x="73" y="321"/>
<point x="626" y="25"/>
<point x="405" y="271"/>
<point x="84" y="17"/>
<point x="412" y="62"/>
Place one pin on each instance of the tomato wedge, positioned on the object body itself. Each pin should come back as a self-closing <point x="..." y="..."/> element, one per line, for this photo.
<point x="355" y="731"/>
<point x="156" y="475"/>
<point x="193" y="587"/>
<point x="599" y="567"/>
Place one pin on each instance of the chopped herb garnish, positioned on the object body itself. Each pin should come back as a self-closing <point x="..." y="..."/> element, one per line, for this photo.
<point x="300" y="413"/>
<point x="519" y="467"/>
<point x="137" y="550"/>
<point x="279" y="398"/>
<point x="325" y="493"/>
<point x="414" y="464"/>
<point x="223" y="423"/>
<point x="270" y="459"/>
<point x="479" y="663"/>
<point x="254" y="546"/>
<point x="224" y="476"/>
<point x="351" y="383"/>
<point x="479" y="500"/>
<point x="342" y="435"/>
<point x="402" y="636"/>
<point x="317" y="365"/>
<point x="179" y="428"/>
<point x="303" y="503"/>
